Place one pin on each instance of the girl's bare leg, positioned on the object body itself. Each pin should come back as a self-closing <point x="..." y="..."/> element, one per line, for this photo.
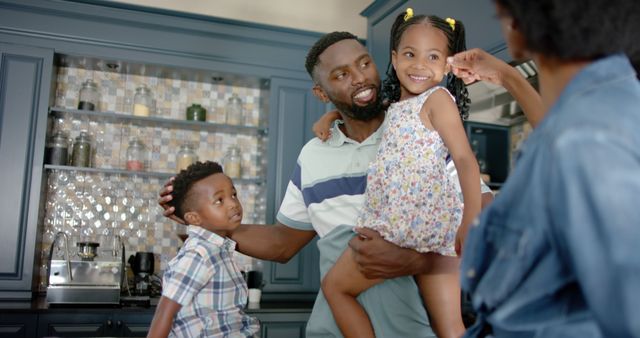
<point x="341" y="285"/>
<point x="440" y="290"/>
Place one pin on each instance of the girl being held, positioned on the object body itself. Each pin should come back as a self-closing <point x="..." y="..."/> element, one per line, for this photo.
<point x="411" y="199"/>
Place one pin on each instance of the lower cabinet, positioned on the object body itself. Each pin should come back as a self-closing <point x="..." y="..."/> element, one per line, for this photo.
<point x="283" y="325"/>
<point x="94" y="325"/>
<point x="21" y="325"/>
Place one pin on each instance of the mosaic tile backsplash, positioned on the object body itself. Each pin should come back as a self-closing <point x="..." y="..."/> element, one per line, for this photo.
<point x="96" y="205"/>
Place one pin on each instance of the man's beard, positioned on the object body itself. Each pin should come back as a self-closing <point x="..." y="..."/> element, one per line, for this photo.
<point x="361" y="113"/>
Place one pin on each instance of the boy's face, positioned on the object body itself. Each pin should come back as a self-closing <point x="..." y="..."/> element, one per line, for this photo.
<point x="215" y="205"/>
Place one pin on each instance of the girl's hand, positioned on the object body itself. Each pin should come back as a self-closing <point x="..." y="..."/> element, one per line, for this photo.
<point x="322" y="127"/>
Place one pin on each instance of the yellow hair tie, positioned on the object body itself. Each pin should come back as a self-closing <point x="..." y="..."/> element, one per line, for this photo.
<point x="451" y="23"/>
<point x="409" y="14"/>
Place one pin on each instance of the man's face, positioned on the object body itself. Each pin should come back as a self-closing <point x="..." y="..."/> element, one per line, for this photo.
<point x="347" y="76"/>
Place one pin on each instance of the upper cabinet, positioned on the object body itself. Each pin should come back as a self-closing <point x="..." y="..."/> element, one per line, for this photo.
<point x="482" y="28"/>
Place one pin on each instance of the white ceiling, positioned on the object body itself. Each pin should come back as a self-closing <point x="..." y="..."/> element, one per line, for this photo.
<point x="311" y="15"/>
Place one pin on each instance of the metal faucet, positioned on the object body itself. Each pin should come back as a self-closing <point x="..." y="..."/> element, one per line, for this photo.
<point x="66" y="249"/>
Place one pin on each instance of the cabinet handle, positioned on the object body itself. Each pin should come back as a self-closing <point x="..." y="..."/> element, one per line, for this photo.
<point x="109" y="323"/>
<point x="119" y="323"/>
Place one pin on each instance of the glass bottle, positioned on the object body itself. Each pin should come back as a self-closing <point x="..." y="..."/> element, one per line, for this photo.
<point x="89" y="96"/>
<point x="232" y="162"/>
<point x="136" y="155"/>
<point x="196" y="112"/>
<point x="81" y="156"/>
<point x="142" y="101"/>
<point x="57" y="149"/>
<point x="186" y="156"/>
<point x="234" y="110"/>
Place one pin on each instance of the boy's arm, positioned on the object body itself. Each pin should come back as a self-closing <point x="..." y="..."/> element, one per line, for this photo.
<point x="163" y="318"/>
<point x="322" y="127"/>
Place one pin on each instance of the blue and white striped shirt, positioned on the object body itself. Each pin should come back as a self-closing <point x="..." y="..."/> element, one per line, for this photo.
<point x="204" y="279"/>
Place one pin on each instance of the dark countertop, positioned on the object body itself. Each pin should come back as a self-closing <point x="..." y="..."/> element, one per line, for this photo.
<point x="40" y="305"/>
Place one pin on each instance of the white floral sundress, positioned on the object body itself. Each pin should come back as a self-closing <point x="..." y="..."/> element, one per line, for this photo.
<point x="410" y="198"/>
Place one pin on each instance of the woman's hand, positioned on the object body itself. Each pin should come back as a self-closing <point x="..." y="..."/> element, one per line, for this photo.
<point x="476" y="64"/>
<point x="165" y="197"/>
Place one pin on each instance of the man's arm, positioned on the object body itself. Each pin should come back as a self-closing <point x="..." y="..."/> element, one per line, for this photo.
<point x="276" y="242"/>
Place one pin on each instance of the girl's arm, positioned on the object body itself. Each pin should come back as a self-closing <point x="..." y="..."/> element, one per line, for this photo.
<point x="322" y="127"/>
<point x="163" y="318"/>
<point x="442" y="113"/>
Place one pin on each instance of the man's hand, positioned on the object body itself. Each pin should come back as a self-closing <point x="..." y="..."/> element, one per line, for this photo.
<point x="378" y="258"/>
<point x="165" y="197"/>
<point x="476" y="64"/>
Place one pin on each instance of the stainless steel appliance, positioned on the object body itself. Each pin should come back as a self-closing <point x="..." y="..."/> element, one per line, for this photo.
<point x="85" y="278"/>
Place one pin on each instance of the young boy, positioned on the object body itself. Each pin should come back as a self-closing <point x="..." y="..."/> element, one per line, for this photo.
<point x="203" y="291"/>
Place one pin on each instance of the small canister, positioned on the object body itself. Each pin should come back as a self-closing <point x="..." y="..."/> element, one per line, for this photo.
<point x="196" y="112"/>
<point x="186" y="156"/>
<point x="232" y="162"/>
<point x="234" y="109"/>
<point x="89" y="96"/>
<point x="142" y="101"/>
<point x="136" y="155"/>
<point x="81" y="156"/>
<point x="57" y="149"/>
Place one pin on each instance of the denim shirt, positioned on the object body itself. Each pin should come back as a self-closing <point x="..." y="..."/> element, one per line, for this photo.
<point x="557" y="252"/>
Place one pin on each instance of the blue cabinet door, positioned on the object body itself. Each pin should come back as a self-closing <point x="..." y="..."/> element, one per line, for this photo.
<point x="18" y="325"/>
<point x="25" y="81"/>
<point x="283" y="325"/>
<point x="294" y="109"/>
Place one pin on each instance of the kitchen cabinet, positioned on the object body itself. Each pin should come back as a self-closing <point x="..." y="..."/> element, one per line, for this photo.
<point x="25" y="79"/>
<point x="18" y="325"/>
<point x="283" y="325"/>
<point x="98" y="324"/>
<point x="481" y="26"/>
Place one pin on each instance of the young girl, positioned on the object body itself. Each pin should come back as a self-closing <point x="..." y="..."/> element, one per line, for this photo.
<point x="410" y="198"/>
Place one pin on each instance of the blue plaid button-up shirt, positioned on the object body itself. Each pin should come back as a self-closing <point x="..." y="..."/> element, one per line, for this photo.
<point x="204" y="279"/>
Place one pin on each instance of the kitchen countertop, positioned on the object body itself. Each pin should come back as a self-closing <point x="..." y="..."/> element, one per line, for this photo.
<point x="40" y="305"/>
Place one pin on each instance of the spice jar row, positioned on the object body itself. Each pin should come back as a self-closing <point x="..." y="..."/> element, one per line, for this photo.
<point x="137" y="156"/>
<point x="144" y="105"/>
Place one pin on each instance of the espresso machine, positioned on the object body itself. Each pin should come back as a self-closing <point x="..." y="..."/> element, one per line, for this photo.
<point x="84" y="276"/>
<point x="142" y="265"/>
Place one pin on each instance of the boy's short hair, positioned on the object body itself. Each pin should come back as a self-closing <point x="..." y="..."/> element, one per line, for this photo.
<point x="186" y="179"/>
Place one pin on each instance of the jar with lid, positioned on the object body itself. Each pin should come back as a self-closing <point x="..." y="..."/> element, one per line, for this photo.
<point x="142" y="101"/>
<point x="234" y="110"/>
<point x="136" y="155"/>
<point x="186" y="156"/>
<point x="57" y="149"/>
<point x="232" y="162"/>
<point x="81" y="156"/>
<point x="89" y="96"/>
<point x="196" y="112"/>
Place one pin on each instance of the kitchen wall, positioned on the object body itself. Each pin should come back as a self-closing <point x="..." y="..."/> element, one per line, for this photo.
<point x="318" y="16"/>
<point x="95" y="205"/>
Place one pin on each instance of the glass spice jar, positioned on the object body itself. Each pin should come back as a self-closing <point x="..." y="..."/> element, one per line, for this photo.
<point x="57" y="149"/>
<point x="81" y="156"/>
<point x="196" y="112"/>
<point x="234" y="110"/>
<point x="232" y="162"/>
<point x="136" y="155"/>
<point x="142" y="101"/>
<point x="186" y="156"/>
<point x="89" y="96"/>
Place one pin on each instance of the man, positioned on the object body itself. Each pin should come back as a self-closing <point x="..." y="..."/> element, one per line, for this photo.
<point x="324" y="197"/>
